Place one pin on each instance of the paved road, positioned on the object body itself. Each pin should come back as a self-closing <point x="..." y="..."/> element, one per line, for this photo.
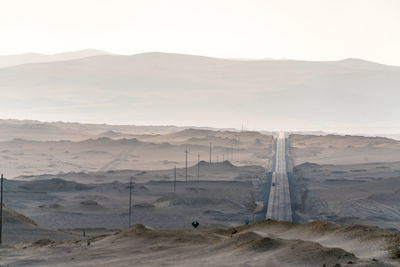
<point x="279" y="206"/>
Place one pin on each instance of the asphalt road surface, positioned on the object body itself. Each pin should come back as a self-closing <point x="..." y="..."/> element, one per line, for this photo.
<point x="279" y="206"/>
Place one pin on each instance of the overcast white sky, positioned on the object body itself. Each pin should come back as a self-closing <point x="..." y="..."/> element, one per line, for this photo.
<point x="295" y="29"/>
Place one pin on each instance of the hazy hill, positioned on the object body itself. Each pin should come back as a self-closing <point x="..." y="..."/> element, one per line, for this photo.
<point x="55" y="131"/>
<point x="157" y="88"/>
<point x="8" y="61"/>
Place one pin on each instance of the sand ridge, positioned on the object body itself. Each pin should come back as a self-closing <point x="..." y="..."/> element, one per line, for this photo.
<point x="269" y="243"/>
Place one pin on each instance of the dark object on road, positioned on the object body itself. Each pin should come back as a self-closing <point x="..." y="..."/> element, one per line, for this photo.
<point x="195" y="224"/>
<point x="273" y="184"/>
<point x="247" y="221"/>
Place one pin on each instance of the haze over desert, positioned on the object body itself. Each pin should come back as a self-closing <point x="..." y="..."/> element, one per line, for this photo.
<point x="212" y="133"/>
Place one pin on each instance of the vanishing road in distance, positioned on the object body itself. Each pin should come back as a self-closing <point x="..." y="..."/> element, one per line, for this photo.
<point x="279" y="206"/>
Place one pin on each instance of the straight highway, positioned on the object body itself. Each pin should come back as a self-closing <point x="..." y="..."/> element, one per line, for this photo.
<point x="279" y="205"/>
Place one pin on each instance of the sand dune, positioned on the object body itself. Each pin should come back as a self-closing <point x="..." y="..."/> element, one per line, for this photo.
<point x="57" y="131"/>
<point x="147" y="152"/>
<point x="218" y="138"/>
<point x="342" y="149"/>
<point x="268" y="243"/>
<point x="18" y="228"/>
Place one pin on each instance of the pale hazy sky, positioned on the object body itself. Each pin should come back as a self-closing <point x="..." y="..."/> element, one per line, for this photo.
<point x="296" y="29"/>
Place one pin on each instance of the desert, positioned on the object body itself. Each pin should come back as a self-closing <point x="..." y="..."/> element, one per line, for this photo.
<point x="200" y="133"/>
<point x="344" y="212"/>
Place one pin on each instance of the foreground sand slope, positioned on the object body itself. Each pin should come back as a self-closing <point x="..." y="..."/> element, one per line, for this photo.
<point x="267" y="243"/>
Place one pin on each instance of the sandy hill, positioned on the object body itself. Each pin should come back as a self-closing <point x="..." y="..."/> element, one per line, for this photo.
<point x="146" y="152"/>
<point x="18" y="228"/>
<point x="13" y="60"/>
<point x="342" y="149"/>
<point x="340" y="141"/>
<point x="191" y="89"/>
<point x="217" y="138"/>
<point x="56" y="131"/>
<point x="267" y="243"/>
<point x="54" y="185"/>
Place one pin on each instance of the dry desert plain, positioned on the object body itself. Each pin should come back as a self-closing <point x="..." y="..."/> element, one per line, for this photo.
<point x="66" y="187"/>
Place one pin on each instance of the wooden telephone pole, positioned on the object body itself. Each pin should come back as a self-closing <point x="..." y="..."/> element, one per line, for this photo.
<point x="1" y="209"/>
<point x="210" y="152"/>
<point x="198" y="167"/>
<point x="130" y="202"/>
<point x="175" y="180"/>
<point x="186" y="152"/>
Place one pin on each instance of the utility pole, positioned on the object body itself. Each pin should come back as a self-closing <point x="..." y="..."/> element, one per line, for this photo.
<point x="1" y="209"/>
<point x="223" y="157"/>
<point x="130" y="202"/>
<point x="175" y="179"/>
<point x="186" y="152"/>
<point x="198" y="167"/>
<point x="210" y="152"/>
<point x="232" y="150"/>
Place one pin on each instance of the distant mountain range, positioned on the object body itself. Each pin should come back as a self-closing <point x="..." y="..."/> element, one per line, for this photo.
<point x="175" y="89"/>
<point x="13" y="60"/>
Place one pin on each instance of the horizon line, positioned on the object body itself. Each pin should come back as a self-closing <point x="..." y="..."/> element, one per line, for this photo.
<point x="214" y="128"/>
<point x="108" y="53"/>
